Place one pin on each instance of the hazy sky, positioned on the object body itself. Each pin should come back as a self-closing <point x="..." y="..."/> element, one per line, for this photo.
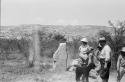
<point x="83" y="12"/>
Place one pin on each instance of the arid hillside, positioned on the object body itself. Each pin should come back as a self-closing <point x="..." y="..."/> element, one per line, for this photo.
<point x="68" y="30"/>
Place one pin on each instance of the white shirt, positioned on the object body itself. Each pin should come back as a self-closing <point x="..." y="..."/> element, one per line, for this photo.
<point x="83" y="51"/>
<point x="106" y="53"/>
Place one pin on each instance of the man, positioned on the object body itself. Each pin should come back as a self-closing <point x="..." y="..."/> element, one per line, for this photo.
<point x="84" y="54"/>
<point x="83" y="64"/>
<point x="85" y="51"/>
<point x="105" y="59"/>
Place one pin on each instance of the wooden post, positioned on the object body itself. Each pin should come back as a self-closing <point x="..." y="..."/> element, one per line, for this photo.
<point x="36" y="44"/>
<point x="34" y="50"/>
<point x="30" y="60"/>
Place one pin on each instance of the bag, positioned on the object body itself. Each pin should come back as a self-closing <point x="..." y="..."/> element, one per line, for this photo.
<point x="93" y="74"/>
<point x="76" y="62"/>
<point x="103" y="73"/>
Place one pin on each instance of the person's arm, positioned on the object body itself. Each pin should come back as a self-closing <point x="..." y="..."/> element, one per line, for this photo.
<point x="118" y="63"/>
<point x="90" y="49"/>
<point x="118" y="67"/>
<point x="90" y="58"/>
<point x="90" y="53"/>
<point x="107" y="53"/>
<point x="80" y="53"/>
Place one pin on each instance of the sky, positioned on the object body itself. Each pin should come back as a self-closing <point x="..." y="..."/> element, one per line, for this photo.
<point x="61" y="12"/>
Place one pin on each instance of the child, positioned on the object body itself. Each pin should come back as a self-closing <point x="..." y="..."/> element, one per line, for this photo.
<point x="121" y="65"/>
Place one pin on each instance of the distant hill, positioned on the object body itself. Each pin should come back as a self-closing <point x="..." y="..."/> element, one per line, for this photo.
<point x="68" y="30"/>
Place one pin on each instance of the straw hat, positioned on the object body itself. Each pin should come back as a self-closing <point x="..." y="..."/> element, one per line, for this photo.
<point x="102" y="39"/>
<point x="84" y="40"/>
<point x="123" y="49"/>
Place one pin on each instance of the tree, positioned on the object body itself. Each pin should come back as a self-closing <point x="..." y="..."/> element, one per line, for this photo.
<point x="59" y="37"/>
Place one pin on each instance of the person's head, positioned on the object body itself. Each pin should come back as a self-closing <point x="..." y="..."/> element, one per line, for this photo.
<point x="123" y="51"/>
<point x="102" y="41"/>
<point x="99" y="48"/>
<point x="84" y="41"/>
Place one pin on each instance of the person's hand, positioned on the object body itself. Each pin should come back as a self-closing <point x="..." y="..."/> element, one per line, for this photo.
<point x="54" y="61"/>
<point x="118" y="71"/>
<point x="118" y="74"/>
<point x="105" y="66"/>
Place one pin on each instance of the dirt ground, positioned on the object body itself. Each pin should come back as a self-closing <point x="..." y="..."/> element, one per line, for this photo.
<point x="19" y="73"/>
<point x="48" y="77"/>
<point x="63" y="77"/>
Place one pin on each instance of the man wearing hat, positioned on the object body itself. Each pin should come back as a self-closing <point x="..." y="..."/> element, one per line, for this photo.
<point x="121" y="65"/>
<point x="85" y="51"/>
<point x="105" y="59"/>
<point x="84" y="54"/>
<point x="84" y="58"/>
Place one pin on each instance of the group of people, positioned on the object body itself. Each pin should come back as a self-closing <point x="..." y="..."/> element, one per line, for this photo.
<point x="103" y="59"/>
<point x="103" y="55"/>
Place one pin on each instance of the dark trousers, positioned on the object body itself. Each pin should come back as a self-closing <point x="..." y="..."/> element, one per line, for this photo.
<point x="84" y="72"/>
<point x="104" y="72"/>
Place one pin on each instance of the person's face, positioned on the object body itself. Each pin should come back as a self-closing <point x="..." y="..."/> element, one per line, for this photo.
<point x="84" y="43"/>
<point x="123" y="53"/>
<point x="99" y="48"/>
<point x="102" y="43"/>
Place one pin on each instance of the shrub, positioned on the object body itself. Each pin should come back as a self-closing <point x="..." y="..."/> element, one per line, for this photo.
<point x="59" y="37"/>
<point x="10" y="46"/>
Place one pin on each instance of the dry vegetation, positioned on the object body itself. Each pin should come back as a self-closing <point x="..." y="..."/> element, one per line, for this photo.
<point x="15" y="44"/>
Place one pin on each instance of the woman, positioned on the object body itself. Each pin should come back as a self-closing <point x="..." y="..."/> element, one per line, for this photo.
<point x="121" y="65"/>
